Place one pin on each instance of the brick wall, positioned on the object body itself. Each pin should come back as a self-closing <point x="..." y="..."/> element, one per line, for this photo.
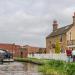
<point x="12" y="48"/>
<point x="21" y="51"/>
<point x="31" y="49"/>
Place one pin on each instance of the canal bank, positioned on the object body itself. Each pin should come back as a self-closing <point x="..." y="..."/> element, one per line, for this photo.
<point x="52" y="67"/>
<point x="31" y="60"/>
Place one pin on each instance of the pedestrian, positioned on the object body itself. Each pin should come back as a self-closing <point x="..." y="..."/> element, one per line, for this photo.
<point x="73" y="55"/>
<point x="69" y="54"/>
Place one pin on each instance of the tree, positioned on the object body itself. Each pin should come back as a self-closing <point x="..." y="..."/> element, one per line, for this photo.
<point x="57" y="47"/>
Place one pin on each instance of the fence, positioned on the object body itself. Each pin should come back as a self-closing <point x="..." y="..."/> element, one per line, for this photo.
<point x="61" y="56"/>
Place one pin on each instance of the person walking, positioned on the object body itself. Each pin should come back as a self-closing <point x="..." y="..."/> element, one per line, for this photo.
<point x="69" y="54"/>
<point x="73" y="55"/>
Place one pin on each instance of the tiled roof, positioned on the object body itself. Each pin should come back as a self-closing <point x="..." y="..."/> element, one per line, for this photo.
<point x="60" y="31"/>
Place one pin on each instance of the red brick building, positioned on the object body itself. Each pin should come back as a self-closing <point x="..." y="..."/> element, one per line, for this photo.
<point x="32" y="50"/>
<point x="21" y="51"/>
<point x="15" y="49"/>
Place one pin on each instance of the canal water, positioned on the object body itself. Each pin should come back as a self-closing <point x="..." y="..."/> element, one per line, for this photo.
<point x="17" y="68"/>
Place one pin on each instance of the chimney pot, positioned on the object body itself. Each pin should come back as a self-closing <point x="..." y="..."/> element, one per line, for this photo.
<point x="54" y="22"/>
<point x="55" y="25"/>
<point x="74" y="18"/>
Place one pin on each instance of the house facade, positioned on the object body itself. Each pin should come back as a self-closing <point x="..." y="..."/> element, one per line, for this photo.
<point x="16" y="50"/>
<point x="34" y="50"/>
<point x="21" y="51"/>
<point x="64" y="35"/>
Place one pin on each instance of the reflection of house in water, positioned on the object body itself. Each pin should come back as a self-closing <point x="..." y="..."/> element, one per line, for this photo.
<point x="30" y="67"/>
<point x="65" y="36"/>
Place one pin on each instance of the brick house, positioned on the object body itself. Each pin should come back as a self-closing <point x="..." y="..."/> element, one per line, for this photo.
<point x="15" y="49"/>
<point x="65" y="36"/>
<point x="33" y="50"/>
<point x="21" y="51"/>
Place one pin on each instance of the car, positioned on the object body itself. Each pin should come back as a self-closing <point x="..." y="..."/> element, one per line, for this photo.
<point x="5" y="54"/>
<point x="8" y="55"/>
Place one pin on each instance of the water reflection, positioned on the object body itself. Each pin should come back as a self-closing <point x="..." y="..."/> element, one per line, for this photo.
<point x="17" y="68"/>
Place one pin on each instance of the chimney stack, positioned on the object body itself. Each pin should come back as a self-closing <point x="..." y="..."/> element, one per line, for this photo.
<point x="74" y="18"/>
<point x="55" y="25"/>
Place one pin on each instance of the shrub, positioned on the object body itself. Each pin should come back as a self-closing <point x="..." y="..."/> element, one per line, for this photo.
<point x="57" y="47"/>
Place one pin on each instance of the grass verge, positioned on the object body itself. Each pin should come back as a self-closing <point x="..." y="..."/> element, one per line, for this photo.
<point x="51" y="67"/>
<point x="56" y="67"/>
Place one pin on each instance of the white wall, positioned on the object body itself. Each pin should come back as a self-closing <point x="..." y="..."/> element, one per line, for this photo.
<point x="61" y="56"/>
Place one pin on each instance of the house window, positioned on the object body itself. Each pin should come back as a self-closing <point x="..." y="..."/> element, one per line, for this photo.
<point x="60" y="38"/>
<point x="70" y="36"/>
<point x="50" y="42"/>
<point x="53" y="45"/>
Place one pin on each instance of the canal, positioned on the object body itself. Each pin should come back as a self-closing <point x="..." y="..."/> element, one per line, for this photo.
<point x="18" y="68"/>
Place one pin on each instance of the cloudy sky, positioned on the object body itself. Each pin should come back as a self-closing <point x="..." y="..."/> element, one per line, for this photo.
<point x="30" y="21"/>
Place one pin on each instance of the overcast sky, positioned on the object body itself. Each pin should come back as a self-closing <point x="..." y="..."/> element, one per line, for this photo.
<point x="28" y="22"/>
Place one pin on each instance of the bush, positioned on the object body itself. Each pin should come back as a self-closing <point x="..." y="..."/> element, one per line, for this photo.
<point x="70" y="69"/>
<point x="55" y="67"/>
<point x="57" y="47"/>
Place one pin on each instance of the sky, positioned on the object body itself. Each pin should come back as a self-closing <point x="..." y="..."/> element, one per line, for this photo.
<point x="28" y="22"/>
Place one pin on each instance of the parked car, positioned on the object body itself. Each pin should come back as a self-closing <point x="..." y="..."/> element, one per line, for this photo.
<point x="8" y="55"/>
<point x="5" y="54"/>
